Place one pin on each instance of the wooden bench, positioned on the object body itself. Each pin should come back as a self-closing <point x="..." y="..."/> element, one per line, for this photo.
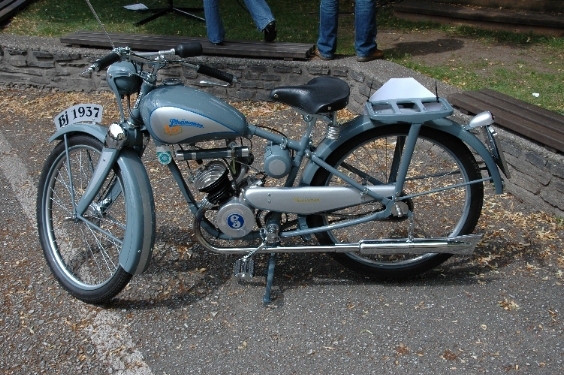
<point x="9" y="7"/>
<point x="231" y="48"/>
<point x="536" y="123"/>
<point x="488" y="18"/>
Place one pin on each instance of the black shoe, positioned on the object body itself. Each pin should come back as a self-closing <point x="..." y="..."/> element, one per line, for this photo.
<point x="270" y="32"/>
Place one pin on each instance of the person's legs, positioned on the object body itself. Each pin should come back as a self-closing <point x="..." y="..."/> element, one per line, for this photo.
<point x="261" y="13"/>
<point x="214" y="24"/>
<point x="328" y="25"/>
<point x="365" y="27"/>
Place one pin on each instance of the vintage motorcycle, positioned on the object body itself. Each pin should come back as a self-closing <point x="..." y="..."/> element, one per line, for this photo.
<point x="392" y="193"/>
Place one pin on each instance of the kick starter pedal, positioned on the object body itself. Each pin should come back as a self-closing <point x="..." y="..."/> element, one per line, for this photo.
<point x="244" y="269"/>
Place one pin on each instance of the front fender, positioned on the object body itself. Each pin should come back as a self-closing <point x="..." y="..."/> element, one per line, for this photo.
<point x="139" y="237"/>
<point x="363" y="123"/>
<point x="97" y="131"/>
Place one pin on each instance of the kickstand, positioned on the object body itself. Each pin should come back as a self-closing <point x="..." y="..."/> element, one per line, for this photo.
<point x="269" y="278"/>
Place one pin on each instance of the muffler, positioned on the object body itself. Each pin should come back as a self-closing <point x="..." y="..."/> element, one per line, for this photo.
<point x="461" y="245"/>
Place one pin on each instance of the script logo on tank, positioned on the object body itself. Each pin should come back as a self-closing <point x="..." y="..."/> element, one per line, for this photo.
<point x="173" y="125"/>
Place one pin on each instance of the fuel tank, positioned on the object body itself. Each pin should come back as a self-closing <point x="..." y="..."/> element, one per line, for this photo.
<point x="180" y="114"/>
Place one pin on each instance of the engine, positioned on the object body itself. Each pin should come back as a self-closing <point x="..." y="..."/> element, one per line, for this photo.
<point x="235" y="217"/>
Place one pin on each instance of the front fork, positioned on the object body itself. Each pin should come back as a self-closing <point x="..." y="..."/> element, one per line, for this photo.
<point x="116" y="138"/>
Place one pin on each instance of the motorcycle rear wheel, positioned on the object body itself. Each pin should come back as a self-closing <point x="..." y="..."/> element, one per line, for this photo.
<point x="439" y="160"/>
<point x="83" y="254"/>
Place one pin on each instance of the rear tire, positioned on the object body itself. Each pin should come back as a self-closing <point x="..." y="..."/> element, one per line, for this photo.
<point x="439" y="160"/>
<point x="82" y="253"/>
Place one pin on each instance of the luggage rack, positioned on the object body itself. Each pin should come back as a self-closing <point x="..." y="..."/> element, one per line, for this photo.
<point x="408" y="110"/>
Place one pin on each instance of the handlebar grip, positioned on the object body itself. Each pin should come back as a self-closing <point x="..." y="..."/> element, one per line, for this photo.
<point x="188" y="49"/>
<point x="216" y="73"/>
<point x="105" y="61"/>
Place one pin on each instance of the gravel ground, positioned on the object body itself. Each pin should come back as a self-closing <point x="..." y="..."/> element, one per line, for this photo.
<point x="495" y="312"/>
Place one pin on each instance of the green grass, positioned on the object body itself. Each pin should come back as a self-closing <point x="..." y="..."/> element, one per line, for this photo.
<point x="519" y="83"/>
<point x="298" y="20"/>
<point x="520" y="79"/>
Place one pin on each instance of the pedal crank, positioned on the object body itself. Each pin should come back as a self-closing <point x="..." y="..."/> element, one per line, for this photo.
<point x="245" y="266"/>
<point x="244" y="269"/>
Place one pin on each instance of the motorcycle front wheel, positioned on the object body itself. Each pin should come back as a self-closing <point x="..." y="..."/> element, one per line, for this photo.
<point x="82" y="252"/>
<point x="441" y="166"/>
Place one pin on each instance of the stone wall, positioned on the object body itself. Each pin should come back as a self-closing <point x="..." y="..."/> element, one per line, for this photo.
<point x="537" y="174"/>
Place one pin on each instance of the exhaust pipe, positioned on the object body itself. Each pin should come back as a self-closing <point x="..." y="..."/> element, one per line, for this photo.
<point x="459" y="245"/>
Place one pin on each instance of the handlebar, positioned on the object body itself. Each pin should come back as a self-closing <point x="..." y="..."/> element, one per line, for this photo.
<point x="188" y="49"/>
<point x="103" y="63"/>
<point x="195" y="49"/>
<point x="182" y="50"/>
<point x="216" y="73"/>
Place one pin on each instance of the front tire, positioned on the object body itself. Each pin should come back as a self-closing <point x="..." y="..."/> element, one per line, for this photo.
<point x="82" y="253"/>
<point x="439" y="160"/>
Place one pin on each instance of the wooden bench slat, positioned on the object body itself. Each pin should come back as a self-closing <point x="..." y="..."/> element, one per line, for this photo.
<point x="516" y="108"/>
<point x="92" y="37"/>
<point x="9" y="8"/>
<point x="230" y="48"/>
<point x="552" y="118"/>
<point x="5" y="3"/>
<point x="479" y="14"/>
<point x="514" y="117"/>
<point x="505" y="119"/>
<point x="11" y="3"/>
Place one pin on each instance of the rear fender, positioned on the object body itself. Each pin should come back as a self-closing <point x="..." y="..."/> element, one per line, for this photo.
<point x="363" y="123"/>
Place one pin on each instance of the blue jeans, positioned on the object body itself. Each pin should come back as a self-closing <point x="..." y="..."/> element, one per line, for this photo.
<point x="259" y="10"/>
<point x="364" y="22"/>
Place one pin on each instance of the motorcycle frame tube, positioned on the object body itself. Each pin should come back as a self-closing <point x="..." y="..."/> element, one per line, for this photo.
<point x="302" y="150"/>
<point x="137" y="247"/>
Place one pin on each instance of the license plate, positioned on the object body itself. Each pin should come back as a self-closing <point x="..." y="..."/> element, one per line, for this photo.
<point x="79" y="113"/>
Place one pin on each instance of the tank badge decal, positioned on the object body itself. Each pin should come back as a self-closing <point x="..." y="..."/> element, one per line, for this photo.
<point x="175" y="122"/>
<point x="172" y="130"/>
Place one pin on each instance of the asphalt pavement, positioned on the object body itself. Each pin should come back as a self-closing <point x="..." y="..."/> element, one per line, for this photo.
<point x="496" y="312"/>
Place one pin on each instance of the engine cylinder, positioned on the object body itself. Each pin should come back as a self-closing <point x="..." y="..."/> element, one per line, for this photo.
<point x="214" y="180"/>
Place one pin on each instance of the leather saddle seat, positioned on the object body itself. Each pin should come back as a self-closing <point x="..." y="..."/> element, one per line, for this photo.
<point x="320" y="95"/>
